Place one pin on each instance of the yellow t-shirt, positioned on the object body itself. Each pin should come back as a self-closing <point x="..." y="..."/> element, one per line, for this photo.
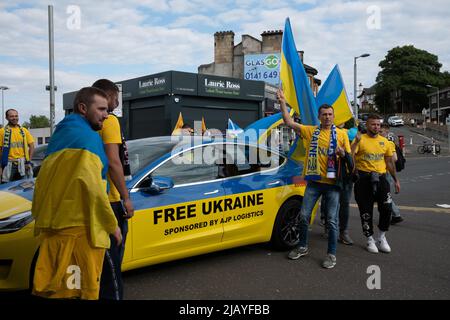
<point x="16" y="145"/>
<point x="110" y="133"/>
<point x="370" y="153"/>
<point x="392" y="146"/>
<point x="324" y="143"/>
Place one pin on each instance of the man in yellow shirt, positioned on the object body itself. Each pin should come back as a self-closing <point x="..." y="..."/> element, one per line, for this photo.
<point x="324" y="144"/>
<point x="70" y="204"/>
<point x="373" y="157"/>
<point x="111" y="286"/>
<point x="396" y="216"/>
<point x="16" y="149"/>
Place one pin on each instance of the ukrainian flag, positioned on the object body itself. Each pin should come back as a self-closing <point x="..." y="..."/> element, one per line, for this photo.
<point x="333" y="93"/>
<point x="70" y="190"/>
<point x="295" y="83"/>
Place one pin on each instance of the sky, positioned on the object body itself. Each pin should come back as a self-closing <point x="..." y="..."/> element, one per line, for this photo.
<point x="125" y="39"/>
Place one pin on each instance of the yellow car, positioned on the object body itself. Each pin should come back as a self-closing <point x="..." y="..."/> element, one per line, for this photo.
<point x="190" y="197"/>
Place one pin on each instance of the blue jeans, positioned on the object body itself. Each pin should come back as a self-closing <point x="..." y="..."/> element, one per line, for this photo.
<point x="344" y="206"/>
<point x="330" y="196"/>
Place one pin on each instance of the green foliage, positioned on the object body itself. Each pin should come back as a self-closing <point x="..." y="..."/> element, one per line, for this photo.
<point x="401" y="83"/>
<point x="350" y="123"/>
<point x="39" y="122"/>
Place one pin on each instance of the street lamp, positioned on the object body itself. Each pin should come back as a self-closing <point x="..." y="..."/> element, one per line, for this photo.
<point x="430" y="86"/>
<point x="3" y="88"/>
<point x="355" y="104"/>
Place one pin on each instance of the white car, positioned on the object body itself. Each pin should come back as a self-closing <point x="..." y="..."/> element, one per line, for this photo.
<point x="395" y="121"/>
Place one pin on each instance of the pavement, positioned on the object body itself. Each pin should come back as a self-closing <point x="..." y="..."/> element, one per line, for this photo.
<point x="417" y="137"/>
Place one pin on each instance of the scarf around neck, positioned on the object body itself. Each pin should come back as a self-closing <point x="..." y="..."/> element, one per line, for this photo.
<point x="313" y="166"/>
<point x="7" y="145"/>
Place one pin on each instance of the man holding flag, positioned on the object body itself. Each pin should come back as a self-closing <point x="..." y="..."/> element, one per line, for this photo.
<point x="324" y="143"/>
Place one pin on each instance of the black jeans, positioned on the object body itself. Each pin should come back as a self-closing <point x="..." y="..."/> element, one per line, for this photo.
<point x="111" y="284"/>
<point x="366" y="196"/>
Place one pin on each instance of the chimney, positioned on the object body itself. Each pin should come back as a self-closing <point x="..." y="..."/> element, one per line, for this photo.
<point x="223" y="46"/>
<point x="300" y="54"/>
<point x="271" y="41"/>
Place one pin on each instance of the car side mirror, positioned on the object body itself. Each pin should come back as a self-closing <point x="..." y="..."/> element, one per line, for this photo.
<point x="156" y="184"/>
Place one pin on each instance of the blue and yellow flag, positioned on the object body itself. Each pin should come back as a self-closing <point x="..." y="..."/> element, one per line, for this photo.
<point x="295" y="83"/>
<point x="333" y="93"/>
<point x="177" y="129"/>
<point x="70" y="190"/>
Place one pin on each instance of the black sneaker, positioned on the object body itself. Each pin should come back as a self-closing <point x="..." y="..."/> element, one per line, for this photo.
<point x="395" y="220"/>
<point x="345" y="238"/>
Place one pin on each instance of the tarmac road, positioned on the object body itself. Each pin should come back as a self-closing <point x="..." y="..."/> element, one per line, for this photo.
<point x="417" y="268"/>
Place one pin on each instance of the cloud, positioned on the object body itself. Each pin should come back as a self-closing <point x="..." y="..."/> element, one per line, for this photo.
<point x="130" y="38"/>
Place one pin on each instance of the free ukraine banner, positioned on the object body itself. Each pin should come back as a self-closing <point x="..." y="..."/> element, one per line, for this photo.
<point x="295" y="83"/>
<point x="333" y="93"/>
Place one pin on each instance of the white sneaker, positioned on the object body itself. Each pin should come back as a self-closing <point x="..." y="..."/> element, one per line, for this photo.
<point x="371" y="246"/>
<point x="383" y="245"/>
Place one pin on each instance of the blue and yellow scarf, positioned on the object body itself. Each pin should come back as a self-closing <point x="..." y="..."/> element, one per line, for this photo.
<point x="313" y="166"/>
<point x="7" y="145"/>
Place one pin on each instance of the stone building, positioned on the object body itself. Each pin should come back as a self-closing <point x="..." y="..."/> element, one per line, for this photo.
<point x="229" y="59"/>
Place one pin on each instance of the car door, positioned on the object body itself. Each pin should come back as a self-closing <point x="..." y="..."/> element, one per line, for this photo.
<point x="255" y="191"/>
<point x="180" y="219"/>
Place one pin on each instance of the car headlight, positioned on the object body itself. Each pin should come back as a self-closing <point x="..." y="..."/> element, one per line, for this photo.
<point x="15" y="222"/>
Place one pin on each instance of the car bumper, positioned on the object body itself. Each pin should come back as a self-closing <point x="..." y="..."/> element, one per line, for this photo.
<point x="17" y="251"/>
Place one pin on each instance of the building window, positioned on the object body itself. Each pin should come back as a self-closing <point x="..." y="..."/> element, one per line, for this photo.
<point x="433" y="99"/>
<point x="47" y="139"/>
<point x="39" y="140"/>
<point x="448" y="94"/>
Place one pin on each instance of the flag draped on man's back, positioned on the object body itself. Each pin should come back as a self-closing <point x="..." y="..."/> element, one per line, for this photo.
<point x="333" y="93"/>
<point x="295" y="83"/>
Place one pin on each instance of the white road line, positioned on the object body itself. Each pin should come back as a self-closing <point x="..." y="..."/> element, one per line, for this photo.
<point x="417" y="209"/>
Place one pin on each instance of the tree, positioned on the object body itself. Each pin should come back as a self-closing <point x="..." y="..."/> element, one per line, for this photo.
<point x="401" y="83"/>
<point x="39" y="122"/>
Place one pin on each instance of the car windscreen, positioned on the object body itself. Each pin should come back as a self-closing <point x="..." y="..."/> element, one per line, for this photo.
<point x="143" y="152"/>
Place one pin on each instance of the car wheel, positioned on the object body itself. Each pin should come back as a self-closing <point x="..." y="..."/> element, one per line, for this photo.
<point x="286" y="232"/>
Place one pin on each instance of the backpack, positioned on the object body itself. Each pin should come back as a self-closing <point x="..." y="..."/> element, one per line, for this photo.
<point x="400" y="163"/>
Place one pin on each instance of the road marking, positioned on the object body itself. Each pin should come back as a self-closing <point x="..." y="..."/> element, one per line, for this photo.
<point x="417" y="209"/>
<point x="425" y="157"/>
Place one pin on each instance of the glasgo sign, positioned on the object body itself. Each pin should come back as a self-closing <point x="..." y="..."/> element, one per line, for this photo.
<point x="264" y="67"/>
